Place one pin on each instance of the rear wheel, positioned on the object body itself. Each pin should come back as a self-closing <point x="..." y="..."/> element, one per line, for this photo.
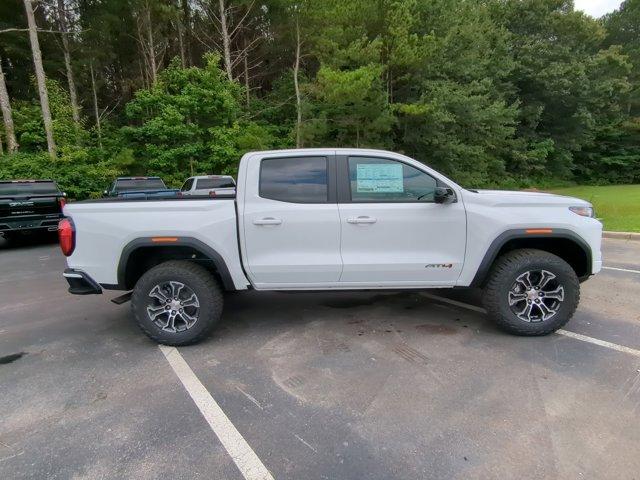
<point x="177" y="303"/>
<point x="531" y="292"/>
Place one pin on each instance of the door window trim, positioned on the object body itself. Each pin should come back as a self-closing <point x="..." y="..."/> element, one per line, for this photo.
<point x="331" y="178"/>
<point x="344" y="179"/>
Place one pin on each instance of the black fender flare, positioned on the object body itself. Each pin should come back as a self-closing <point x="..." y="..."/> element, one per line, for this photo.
<point x="158" y="242"/>
<point x="508" y="235"/>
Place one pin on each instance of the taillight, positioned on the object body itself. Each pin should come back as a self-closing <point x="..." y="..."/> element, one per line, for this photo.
<point x="67" y="236"/>
<point x="62" y="202"/>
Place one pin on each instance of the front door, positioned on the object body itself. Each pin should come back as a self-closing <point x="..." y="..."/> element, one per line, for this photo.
<point x="291" y="224"/>
<point x="393" y="233"/>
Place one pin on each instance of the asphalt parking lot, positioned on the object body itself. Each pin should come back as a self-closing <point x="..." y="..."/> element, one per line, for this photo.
<point x="320" y="385"/>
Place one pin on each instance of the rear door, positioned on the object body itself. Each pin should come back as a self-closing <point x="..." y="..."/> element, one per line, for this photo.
<point x="290" y="221"/>
<point x="393" y="233"/>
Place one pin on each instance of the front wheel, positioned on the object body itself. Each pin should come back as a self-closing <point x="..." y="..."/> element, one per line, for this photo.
<point x="531" y="292"/>
<point x="177" y="303"/>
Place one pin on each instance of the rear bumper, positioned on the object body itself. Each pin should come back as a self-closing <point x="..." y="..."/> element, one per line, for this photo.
<point x="80" y="283"/>
<point x="44" y="222"/>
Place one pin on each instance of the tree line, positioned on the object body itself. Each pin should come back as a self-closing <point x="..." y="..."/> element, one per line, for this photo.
<point x="494" y="93"/>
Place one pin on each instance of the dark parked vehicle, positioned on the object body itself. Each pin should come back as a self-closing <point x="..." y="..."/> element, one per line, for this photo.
<point x="28" y="206"/>
<point x="139" y="187"/>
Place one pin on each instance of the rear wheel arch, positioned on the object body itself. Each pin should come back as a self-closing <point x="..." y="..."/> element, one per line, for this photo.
<point x="142" y="254"/>
<point x="561" y="242"/>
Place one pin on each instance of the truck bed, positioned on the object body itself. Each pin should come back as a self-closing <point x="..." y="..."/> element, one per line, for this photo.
<point x="109" y="225"/>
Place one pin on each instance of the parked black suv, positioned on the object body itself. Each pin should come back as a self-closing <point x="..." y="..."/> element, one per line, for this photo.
<point x="29" y="206"/>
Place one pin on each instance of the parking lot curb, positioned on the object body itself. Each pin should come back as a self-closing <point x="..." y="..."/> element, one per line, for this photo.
<point x="622" y="235"/>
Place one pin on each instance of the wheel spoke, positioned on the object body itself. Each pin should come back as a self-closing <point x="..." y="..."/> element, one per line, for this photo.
<point x="155" y="312"/>
<point x="545" y="310"/>
<point x="557" y="294"/>
<point x="516" y="297"/>
<point x="525" y="314"/>
<point x="189" y="320"/>
<point x="525" y="279"/>
<point x="545" y="277"/>
<point x="156" y="292"/>
<point x="176" y="287"/>
<point x="192" y="301"/>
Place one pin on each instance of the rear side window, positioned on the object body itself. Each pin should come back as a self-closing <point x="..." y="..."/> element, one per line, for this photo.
<point x="137" y="184"/>
<point x="187" y="185"/>
<point x="383" y="180"/>
<point x="209" y="183"/>
<point x="29" y="188"/>
<point x="294" y="179"/>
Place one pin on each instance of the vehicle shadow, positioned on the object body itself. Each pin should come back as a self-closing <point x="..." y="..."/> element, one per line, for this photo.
<point x="28" y="241"/>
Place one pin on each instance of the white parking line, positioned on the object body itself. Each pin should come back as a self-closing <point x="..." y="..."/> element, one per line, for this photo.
<point x="621" y="269"/>
<point x="566" y="333"/>
<point x="602" y="343"/>
<point x="241" y="453"/>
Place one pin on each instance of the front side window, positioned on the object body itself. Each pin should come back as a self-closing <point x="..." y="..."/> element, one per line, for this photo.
<point x="294" y="179"/>
<point x="382" y="180"/>
<point x="187" y="185"/>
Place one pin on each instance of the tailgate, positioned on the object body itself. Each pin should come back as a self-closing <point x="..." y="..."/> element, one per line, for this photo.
<point x="22" y="206"/>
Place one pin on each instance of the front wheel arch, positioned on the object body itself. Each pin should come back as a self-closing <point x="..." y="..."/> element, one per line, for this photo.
<point x="560" y="242"/>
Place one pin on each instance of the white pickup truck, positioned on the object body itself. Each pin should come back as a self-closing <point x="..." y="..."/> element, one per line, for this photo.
<point x="333" y="219"/>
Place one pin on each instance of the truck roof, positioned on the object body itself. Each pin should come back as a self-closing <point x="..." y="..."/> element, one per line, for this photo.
<point x="27" y="181"/>
<point x="138" y="178"/>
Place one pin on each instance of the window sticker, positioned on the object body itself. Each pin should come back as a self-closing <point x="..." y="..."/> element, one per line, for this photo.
<point x="379" y="178"/>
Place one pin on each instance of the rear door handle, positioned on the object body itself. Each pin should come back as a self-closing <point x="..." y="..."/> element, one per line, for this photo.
<point x="361" y="219"/>
<point x="267" y="221"/>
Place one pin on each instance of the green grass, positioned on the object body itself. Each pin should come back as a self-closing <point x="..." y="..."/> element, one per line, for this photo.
<point x="618" y="206"/>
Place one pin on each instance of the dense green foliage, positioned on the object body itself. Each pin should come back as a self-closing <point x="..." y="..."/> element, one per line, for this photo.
<point x="492" y="93"/>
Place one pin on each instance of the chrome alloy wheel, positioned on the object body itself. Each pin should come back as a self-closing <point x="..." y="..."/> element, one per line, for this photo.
<point x="173" y="306"/>
<point x="536" y="296"/>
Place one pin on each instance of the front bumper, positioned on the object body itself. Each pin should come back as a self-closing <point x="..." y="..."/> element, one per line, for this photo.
<point x="80" y="283"/>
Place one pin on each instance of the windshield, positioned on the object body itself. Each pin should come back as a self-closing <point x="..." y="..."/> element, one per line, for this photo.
<point x="137" y="184"/>
<point x="29" y="188"/>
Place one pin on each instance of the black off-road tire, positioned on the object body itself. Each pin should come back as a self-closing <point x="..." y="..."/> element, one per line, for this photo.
<point x="504" y="273"/>
<point x="200" y="281"/>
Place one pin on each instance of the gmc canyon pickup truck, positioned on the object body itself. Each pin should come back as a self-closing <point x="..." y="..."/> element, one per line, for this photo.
<point x="29" y="206"/>
<point x="333" y="219"/>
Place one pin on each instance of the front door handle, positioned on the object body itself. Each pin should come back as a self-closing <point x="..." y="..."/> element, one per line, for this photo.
<point x="361" y="219"/>
<point x="267" y="221"/>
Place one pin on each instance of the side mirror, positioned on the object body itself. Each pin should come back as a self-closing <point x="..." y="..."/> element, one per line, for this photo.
<point x="443" y="195"/>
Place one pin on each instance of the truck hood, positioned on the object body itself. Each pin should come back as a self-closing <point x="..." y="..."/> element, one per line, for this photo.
<point x="508" y="197"/>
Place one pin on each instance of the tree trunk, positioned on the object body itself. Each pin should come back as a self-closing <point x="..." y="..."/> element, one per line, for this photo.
<point x="296" y="69"/>
<point x="186" y="19"/>
<point x="183" y="54"/>
<point x="62" y="22"/>
<point x="225" y="40"/>
<point x="40" y="77"/>
<point x="7" y="116"/>
<point x="246" y="71"/>
<point x="96" y="111"/>
<point x="152" y="47"/>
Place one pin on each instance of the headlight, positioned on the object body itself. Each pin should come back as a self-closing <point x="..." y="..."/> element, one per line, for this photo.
<point x="584" y="211"/>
